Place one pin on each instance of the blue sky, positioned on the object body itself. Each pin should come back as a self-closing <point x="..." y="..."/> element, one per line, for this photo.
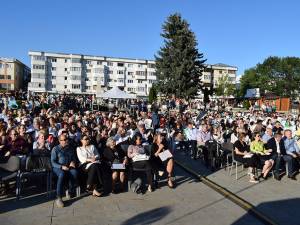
<point x="234" y="32"/>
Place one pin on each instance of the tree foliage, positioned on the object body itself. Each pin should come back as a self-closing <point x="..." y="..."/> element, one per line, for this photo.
<point x="179" y="65"/>
<point x="225" y="87"/>
<point x="278" y="75"/>
<point x="152" y="94"/>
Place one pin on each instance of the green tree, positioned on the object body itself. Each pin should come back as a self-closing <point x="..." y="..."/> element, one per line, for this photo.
<point x="225" y="87"/>
<point x="152" y="94"/>
<point x="179" y="65"/>
<point x="275" y="74"/>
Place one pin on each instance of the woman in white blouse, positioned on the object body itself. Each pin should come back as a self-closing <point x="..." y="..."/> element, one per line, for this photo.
<point x="89" y="161"/>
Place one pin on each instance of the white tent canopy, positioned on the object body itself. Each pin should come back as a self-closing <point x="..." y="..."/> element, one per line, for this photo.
<point x="116" y="93"/>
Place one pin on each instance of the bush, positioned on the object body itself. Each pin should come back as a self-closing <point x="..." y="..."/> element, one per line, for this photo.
<point x="246" y="104"/>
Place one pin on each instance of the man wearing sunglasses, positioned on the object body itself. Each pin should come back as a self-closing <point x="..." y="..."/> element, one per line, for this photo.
<point x="63" y="163"/>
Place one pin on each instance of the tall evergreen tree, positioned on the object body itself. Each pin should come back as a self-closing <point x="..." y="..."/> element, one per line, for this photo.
<point x="179" y="65"/>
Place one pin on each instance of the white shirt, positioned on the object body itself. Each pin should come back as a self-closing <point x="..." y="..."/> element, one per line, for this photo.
<point x="277" y="146"/>
<point x="88" y="152"/>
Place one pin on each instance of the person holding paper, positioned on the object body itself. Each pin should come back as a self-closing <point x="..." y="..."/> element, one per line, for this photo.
<point x="116" y="159"/>
<point x="140" y="159"/>
<point x="257" y="147"/>
<point x="90" y="164"/>
<point x="242" y="155"/>
<point x="159" y="163"/>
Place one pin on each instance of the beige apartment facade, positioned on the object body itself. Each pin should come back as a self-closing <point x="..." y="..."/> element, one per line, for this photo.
<point x="14" y="75"/>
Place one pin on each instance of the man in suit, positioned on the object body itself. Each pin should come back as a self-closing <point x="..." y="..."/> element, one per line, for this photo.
<point x="279" y="154"/>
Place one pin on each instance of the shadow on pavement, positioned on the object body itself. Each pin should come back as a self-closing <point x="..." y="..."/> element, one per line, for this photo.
<point x="11" y="204"/>
<point x="278" y="211"/>
<point x="148" y="217"/>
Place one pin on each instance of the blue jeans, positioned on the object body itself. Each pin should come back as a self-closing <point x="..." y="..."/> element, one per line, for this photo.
<point x="287" y="159"/>
<point x="71" y="175"/>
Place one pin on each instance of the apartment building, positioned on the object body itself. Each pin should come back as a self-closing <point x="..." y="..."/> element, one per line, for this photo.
<point x="212" y="74"/>
<point x="75" y="73"/>
<point x="14" y="75"/>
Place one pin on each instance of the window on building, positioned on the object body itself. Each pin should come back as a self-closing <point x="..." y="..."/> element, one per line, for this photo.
<point x="88" y="70"/>
<point x="140" y="81"/>
<point x="120" y="72"/>
<point x="98" y="70"/>
<point x="120" y="64"/>
<point x="88" y="62"/>
<point x="5" y="77"/>
<point x="66" y="78"/>
<point x="129" y="81"/>
<point x="131" y="89"/>
<point x="110" y="63"/>
<point x="151" y="73"/>
<point x="151" y="65"/>
<point x="121" y="80"/>
<point x="75" y="77"/>
<point x="66" y="69"/>
<point x="130" y="65"/>
<point x="65" y="86"/>
<point x="140" y="65"/>
<point x="53" y="69"/>
<point x="99" y="62"/>
<point x="76" y="60"/>
<point x="207" y="77"/>
<point x="110" y="72"/>
<point x="130" y="73"/>
<point x="53" y="77"/>
<point x="66" y="60"/>
<point x="231" y="79"/>
<point x="75" y="86"/>
<point x="40" y="85"/>
<point x="38" y="67"/>
<point x="140" y="73"/>
<point x="53" y="60"/>
<point x="53" y="85"/>
<point x="75" y="68"/>
<point x="38" y="58"/>
<point x="231" y="71"/>
<point x="220" y="71"/>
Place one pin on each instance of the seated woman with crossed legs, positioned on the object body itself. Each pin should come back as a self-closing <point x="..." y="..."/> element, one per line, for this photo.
<point x="264" y="155"/>
<point x="241" y="154"/>
<point x="90" y="164"/>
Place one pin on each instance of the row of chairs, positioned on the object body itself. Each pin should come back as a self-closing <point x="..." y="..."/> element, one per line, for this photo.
<point x="12" y="171"/>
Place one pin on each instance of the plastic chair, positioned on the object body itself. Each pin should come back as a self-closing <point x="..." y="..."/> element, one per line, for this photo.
<point x="29" y="172"/>
<point x="227" y="148"/>
<point x="236" y="163"/>
<point x="10" y="171"/>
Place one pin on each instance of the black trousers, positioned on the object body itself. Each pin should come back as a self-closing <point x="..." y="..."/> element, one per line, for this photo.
<point x="94" y="175"/>
<point x="192" y="146"/>
<point x="145" y="166"/>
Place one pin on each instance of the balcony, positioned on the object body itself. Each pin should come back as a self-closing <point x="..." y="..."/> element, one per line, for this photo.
<point x="32" y="86"/>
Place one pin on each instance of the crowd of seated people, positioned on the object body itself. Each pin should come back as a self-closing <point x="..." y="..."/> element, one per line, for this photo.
<point x="97" y="149"/>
